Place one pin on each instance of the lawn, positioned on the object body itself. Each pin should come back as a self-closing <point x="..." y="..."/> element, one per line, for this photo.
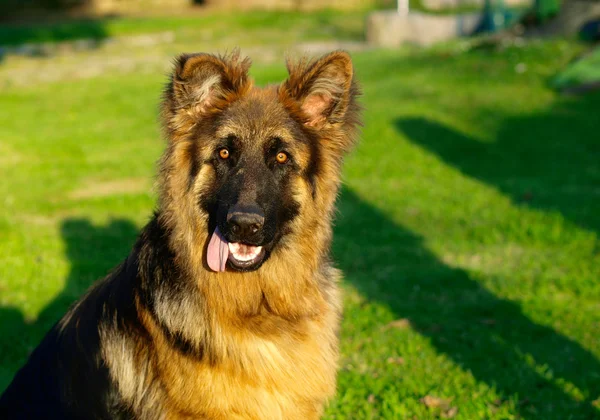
<point x="468" y="228"/>
<point x="315" y="25"/>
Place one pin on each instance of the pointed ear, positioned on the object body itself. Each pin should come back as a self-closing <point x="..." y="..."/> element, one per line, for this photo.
<point x="203" y="83"/>
<point x="323" y="88"/>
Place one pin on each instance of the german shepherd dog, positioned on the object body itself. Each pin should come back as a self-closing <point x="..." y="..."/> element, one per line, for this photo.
<point x="228" y="306"/>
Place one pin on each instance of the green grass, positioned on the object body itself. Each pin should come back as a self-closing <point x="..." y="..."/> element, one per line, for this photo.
<point x="468" y="228"/>
<point x="315" y="25"/>
<point x="582" y="71"/>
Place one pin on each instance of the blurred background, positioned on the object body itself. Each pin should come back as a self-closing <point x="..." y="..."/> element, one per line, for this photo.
<point x="469" y="222"/>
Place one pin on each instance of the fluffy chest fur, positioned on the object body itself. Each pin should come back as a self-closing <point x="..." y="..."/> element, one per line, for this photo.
<point x="254" y="365"/>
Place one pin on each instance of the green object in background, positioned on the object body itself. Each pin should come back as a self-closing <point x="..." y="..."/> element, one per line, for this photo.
<point x="583" y="71"/>
<point x="545" y="9"/>
<point x="497" y="16"/>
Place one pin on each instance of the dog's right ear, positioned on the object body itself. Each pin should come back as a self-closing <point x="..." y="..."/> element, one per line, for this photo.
<point x="205" y="83"/>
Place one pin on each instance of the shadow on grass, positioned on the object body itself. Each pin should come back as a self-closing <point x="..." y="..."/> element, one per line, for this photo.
<point x="482" y="333"/>
<point x="92" y="252"/>
<point x="38" y="39"/>
<point x="549" y="161"/>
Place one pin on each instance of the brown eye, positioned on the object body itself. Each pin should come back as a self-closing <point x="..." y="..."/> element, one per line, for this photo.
<point x="224" y="153"/>
<point x="281" y="157"/>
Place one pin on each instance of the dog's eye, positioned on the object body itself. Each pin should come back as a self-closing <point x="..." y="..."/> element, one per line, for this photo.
<point x="281" y="157"/>
<point x="224" y="153"/>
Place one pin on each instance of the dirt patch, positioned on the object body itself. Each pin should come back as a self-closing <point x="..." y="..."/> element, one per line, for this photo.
<point x="8" y="155"/>
<point x="52" y="219"/>
<point x="96" y="189"/>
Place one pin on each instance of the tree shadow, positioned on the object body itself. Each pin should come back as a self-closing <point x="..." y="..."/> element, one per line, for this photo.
<point x="549" y="160"/>
<point x="484" y="334"/>
<point x="91" y="30"/>
<point x="92" y="251"/>
<point x="34" y="28"/>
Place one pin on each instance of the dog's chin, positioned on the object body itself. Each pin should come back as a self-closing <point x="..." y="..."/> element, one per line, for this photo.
<point x="251" y="260"/>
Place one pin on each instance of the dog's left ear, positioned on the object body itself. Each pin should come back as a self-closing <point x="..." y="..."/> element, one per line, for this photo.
<point x="205" y="81"/>
<point x="203" y="84"/>
<point x="323" y="89"/>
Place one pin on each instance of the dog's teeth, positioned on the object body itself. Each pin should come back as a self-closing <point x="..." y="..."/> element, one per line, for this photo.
<point x="243" y="252"/>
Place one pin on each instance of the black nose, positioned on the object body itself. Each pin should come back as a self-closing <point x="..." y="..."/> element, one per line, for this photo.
<point x="245" y="221"/>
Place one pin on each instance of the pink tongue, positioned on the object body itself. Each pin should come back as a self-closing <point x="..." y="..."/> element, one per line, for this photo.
<point x="218" y="251"/>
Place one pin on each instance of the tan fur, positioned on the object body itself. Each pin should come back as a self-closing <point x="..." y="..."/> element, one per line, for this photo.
<point x="269" y="337"/>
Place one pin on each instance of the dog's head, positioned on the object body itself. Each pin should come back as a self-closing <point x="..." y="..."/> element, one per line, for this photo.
<point x="251" y="168"/>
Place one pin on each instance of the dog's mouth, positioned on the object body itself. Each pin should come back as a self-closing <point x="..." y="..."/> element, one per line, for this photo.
<point x="237" y="256"/>
<point x="245" y="257"/>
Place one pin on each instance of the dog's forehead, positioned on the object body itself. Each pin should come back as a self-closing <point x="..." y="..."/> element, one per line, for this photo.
<point x="257" y="117"/>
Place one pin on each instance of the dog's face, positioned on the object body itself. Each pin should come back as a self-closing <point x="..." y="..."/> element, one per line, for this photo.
<point x="256" y="155"/>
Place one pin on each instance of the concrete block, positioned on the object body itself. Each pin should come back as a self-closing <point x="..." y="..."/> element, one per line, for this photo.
<point x="389" y="29"/>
